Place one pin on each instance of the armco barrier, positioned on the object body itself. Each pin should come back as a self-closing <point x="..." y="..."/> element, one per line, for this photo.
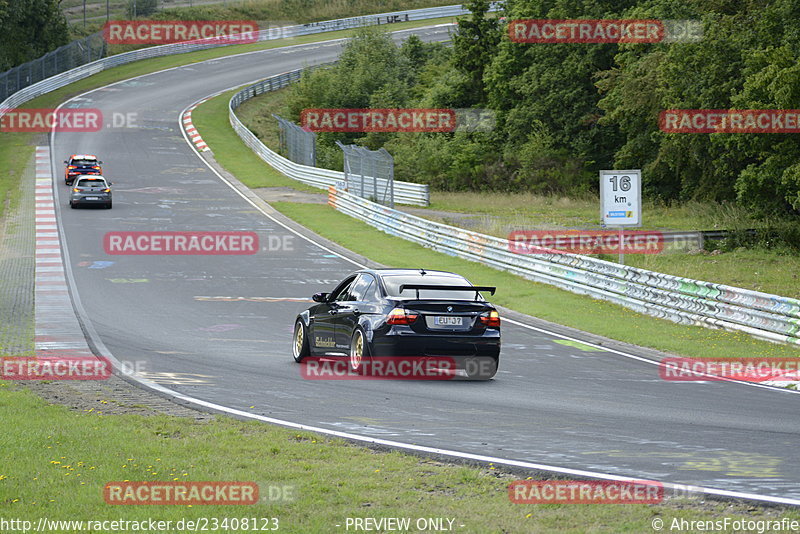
<point x="677" y="299"/>
<point x="404" y="192"/>
<point x="84" y="71"/>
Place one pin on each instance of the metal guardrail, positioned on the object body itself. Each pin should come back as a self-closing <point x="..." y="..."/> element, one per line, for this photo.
<point x="52" y="83"/>
<point x="404" y="192"/>
<point x="677" y="299"/>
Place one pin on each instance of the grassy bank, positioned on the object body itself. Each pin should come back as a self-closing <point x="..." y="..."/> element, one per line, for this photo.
<point x="15" y="152"/>
<point x="56" y="463"/>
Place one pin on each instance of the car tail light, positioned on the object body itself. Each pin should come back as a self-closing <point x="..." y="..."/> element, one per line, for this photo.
<point x="95" y="167"/>
<point x="492" y="320"/>
<point x="76" y="189"/>
<point x="106" y="190"/>
<point x="71" y="167"/>
<point x="401" y="316"/>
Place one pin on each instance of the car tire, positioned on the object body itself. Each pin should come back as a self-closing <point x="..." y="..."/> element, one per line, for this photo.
<point x="359" y="350"/>
<point x="72" y="205"/>
<point x="299" y="341"/>
<point x="108" y="206"/>
<point x="481" y="367"/>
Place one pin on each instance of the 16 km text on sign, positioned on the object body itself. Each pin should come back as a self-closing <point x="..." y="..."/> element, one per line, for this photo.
<point x="621" y="199"/>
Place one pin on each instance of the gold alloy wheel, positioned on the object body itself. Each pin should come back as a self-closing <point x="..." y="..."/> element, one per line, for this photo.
<point x="298" y="340"/>
<point x="357" y="351"/>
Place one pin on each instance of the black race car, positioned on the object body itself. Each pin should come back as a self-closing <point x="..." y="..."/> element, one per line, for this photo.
<point x="403" y="313"/>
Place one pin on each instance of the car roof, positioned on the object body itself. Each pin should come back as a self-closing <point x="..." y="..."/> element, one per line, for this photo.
<point x="91" y="177"/>
<point x="83" y="156"/>
<point x="408" y="272"/>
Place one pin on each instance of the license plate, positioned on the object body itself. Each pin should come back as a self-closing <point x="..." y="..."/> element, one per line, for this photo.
<point x="91" y="198"/>
<point x="448" y="321"/>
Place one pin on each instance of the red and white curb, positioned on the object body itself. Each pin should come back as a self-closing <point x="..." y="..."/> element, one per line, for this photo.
<point x="192" y="131"/>
<point x="785" y="381"/>
<point x="58" y="333"/>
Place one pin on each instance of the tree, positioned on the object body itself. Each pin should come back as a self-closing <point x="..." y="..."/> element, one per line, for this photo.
<point x="371" y="73"/>
<point x="474" y="46"/>
<point x="29" y="29"/>
<point x="747" y="59"/>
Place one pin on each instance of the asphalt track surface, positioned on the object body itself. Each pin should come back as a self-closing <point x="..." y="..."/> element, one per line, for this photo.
<point x="200" y="324"/>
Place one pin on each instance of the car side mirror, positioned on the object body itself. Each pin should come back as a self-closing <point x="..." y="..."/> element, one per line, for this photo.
<point x="320" y="297"/>
<point x="99" y="162"/>
<point x="66" y="162"/>
<point x="110" y="183"/>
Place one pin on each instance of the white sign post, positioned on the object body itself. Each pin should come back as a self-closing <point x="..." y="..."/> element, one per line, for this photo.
<point x="621" y="201"/>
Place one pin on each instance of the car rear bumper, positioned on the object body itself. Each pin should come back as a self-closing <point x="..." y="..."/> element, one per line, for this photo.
<point x="100" y="199"/>
<point x="412" y="344"/>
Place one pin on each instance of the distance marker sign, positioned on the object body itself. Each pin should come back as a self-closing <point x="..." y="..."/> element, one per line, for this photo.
<point x="621" y="198"/>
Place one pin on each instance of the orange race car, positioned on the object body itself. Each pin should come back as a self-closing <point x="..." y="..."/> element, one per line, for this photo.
<point x="80" y="164"/>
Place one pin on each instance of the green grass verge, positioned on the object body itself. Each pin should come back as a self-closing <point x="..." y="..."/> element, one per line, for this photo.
<point x="584" y="211"/>
<point x="234" y="155"/>
<point x="770" y="271"/>
<point x="15" y="153"/>
<point x="56" y="463"/>
<point x="540" y="300"/>
<point x="256" y="114"/>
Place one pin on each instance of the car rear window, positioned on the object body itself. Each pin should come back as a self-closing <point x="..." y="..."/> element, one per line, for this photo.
<point x="84" y="162"/>
<point x="394" y="281"/>
<point x="91" y="183"/>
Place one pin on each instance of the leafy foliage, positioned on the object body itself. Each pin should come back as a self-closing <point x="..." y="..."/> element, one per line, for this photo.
<point x="29" y="29"/>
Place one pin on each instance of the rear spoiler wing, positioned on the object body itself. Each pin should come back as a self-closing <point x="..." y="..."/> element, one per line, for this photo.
<point x="476" y="289"/>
